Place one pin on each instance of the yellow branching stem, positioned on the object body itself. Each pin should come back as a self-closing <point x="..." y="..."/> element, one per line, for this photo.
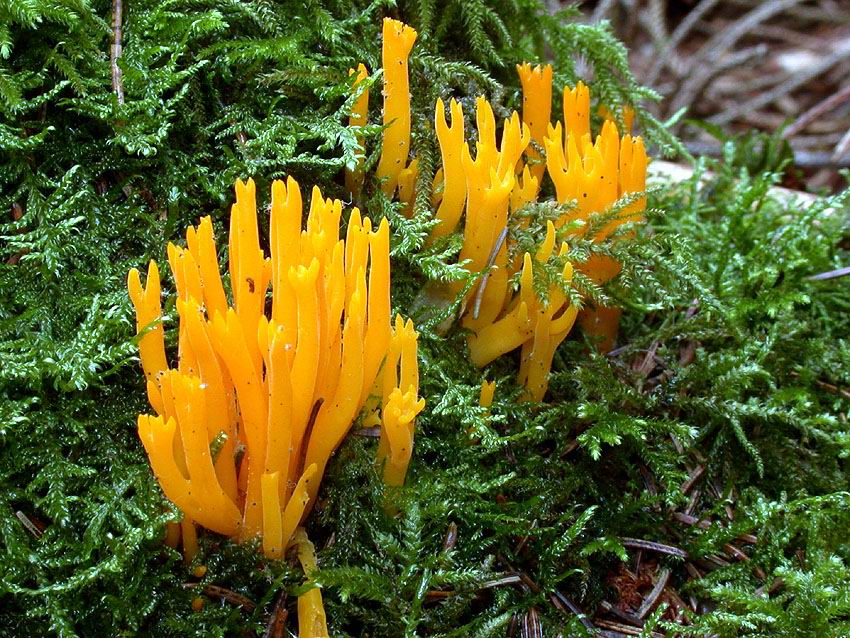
<point x="536" y="111"/>
<point x="407" y="187"/>
<point x="311" y="612"/>
<point x="398" y="42"/>
<point x="283" y="388"/>
<point x="488" y="390"/>
<point x="358" y="118"/>
<point x="452" y="181"/>
<point x="401" y="403"/>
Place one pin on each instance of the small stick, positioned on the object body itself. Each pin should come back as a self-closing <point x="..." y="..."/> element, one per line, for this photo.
<point x="650" y="601"/>
<point x="369" y="433"/>
<point x="479" y="294"/>
<point x="733" y="551"/>
<point x="832" y="274"/>
<point x="28" y="524"/>
<point x="625" y="629"/>
<point x="116" y="49"/>
<point x="531" y="626"/>
<point x="560" y="601"/>
<point x="311" y="421"/>
<point x="677" y="601"/>
<point x="214" y="591"/>
<point x="451" y="537"/>
<point x="648" y="362"/>
<point x="525" y="538"/>
<point x="17" y="213"/>
<point x="841" y="148"/>
<point x="718" y="45"/>
<point x="508" y="579"/>
<point x="661" y="548"/>
<point x="692" y="504"/>
<point x="693" y="477"/>
<point x="437" y="594"/>
<point x="602" y="10"/>
<point x="277" y="624"/>
<point x="792" y="83"/>
<point x="822" y="107"/>
<point x="625" y="617"/>
<point x="687" y="519"/>
<point x="693" y="571"/>
<point x="679" y="33"/>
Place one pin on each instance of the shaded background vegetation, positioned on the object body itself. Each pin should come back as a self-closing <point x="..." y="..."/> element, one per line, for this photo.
<point x="725" y="401"/>
<point x="778" y="67"/>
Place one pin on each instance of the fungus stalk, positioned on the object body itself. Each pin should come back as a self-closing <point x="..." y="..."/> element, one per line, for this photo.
<point x="398" y="42"/>
<point x="358" y="118"/>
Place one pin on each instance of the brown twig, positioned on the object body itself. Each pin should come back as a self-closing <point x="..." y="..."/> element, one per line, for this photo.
<point x="810" y="13"/>
<point x="603" y="8"/>
<point x="277" y="623"/>
<point x="693" y="572"/>
<point x="842" y="148"/>
<point x="622" y="615"/>
<point x="625" y="629"/>
<point x="479" y="294"/>
<point x="834" y="389"/>
<point x="451" y="537"/>
<point x="214" y="591"/>
<point x="652" y="599"/>
<point x="559" y="600"/>
<point x="819" y="109"/>
<point x="694" y="500"/>
<point x="734" y="552"/>
<point x="693" y="477"/>
<point x="507" y="579"/>
<point x="652" y="546"/>
<point x="116" y="49"/>
<point x="531" y="626"/>
<point x="17" y="213"/>
<point x="31" y="527"/>
<point x="564" y="603"/>
<point x="525" y="538"/>
<point x="677" y="602"/>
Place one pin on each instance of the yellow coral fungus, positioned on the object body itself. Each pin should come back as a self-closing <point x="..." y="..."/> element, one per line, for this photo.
<point x="453" y="178"/>
<point x="358" y="117"/>
<point x="617" y="168"/>
<point x="401" y="403"/>
<point x="593" y="173"/>
<point x="312" y="622"/>
<point x="398" y="42"/>
<point x="485" y="397"/>
<point x="536" y="110"/>
<point x="407" y="187"/>
<point x="285" y="387"/>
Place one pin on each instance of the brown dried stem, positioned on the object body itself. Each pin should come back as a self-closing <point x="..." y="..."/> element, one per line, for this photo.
<point x="116" y="49"/>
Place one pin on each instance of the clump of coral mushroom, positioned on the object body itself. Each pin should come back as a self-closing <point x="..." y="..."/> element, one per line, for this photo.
<point x="483" y="192"/>
<point x="286" y="387"/>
